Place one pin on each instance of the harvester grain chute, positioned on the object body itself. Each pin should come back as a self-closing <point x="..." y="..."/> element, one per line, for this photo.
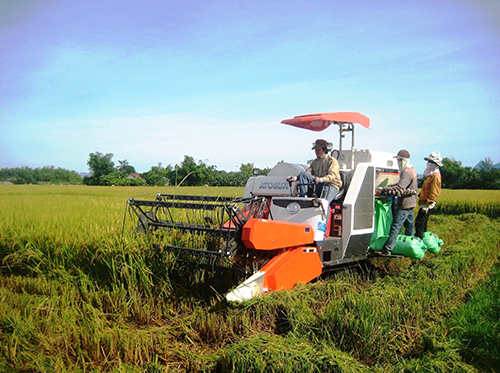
<point x="273" y="237"/>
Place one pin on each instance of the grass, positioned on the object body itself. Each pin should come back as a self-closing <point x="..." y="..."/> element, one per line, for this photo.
<point x="475" y="324"/>
<point x="77" y="297"/>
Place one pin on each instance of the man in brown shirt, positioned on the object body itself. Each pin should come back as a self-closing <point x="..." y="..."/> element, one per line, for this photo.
<point x="405" y="203"/>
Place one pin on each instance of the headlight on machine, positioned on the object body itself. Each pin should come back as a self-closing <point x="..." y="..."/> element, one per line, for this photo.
<point x="293" y="208"/>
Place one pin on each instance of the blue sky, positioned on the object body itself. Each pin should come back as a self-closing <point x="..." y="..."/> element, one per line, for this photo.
<point x="152" y="81"/>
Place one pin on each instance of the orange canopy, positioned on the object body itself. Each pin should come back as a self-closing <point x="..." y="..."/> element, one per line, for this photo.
<point x="321" y="121"/>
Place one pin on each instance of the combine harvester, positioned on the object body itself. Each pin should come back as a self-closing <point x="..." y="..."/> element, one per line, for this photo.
<point x="271" y="236"/>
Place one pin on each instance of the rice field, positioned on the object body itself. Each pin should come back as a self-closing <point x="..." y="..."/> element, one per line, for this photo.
<point x="77" y="296"/>
<point x="486" y="202"/>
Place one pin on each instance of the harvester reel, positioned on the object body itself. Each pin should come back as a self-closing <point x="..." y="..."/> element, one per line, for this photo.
<point x="203" y="232"/>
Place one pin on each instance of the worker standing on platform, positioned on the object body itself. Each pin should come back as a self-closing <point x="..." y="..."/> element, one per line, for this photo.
<point x="406" y="188"/>
<point x="431" y="189"/>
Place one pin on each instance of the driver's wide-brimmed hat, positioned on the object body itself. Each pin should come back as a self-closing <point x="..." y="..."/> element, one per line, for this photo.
<point x="435" y="157"/>
<point x="320" y="143"/>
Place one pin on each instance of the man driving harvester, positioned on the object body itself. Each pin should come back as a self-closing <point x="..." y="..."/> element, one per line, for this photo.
<point x="323" y="172"/>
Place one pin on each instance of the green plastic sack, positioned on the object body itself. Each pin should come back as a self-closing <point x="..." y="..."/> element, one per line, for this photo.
<point x="410" y="246"/>
<point x="383" y="220"/>
<point x="377" y="244"/>
<point x="432" y="242"/>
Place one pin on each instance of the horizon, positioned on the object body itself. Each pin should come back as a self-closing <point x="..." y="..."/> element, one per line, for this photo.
<point x="82" y="173"/>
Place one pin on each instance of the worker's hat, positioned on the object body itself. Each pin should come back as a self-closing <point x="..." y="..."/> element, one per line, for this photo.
<point x="435" y="157"/>
<point x="403" y="153"/>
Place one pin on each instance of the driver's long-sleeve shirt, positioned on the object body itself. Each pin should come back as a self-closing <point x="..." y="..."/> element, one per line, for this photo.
<point x="327" y="168"/>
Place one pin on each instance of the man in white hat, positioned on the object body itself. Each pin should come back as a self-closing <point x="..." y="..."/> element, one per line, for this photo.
<point x="431" y="189"/>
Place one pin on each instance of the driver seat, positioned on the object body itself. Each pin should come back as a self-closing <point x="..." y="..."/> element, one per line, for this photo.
<point x="343" y="189"/>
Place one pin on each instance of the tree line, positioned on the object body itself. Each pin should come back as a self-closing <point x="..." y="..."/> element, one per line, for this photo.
<point x="103" y="171"/>
<point x="455" y="176"/>
<point x="188" y="173"/>
<point x="43" y="175"/>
